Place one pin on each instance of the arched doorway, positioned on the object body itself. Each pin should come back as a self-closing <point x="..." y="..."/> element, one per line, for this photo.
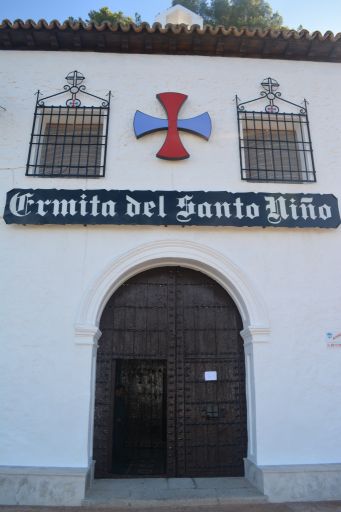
<point x="170" y="379"/>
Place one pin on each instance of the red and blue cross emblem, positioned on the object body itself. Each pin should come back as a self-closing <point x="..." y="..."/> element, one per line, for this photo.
<point x="172" y="148"/>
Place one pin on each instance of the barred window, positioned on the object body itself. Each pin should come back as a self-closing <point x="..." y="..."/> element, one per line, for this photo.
<point x="69" y="141"/>
<point x="275" y="146"/>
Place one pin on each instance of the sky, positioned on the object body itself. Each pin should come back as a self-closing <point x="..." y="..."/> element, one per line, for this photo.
<point x="319" y="15"/>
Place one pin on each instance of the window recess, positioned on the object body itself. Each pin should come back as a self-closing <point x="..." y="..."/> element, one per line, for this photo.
<point x="69" y="140"/>
<point x="274" y="145"/>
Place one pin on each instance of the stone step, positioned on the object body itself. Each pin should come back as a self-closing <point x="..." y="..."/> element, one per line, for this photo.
<point x="175" y="492"/>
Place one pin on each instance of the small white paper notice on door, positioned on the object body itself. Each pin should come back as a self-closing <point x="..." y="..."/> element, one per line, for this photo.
<point x="211" y="375"/>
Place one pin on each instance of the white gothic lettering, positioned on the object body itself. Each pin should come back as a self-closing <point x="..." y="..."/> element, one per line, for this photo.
<point x="139" y="207"/>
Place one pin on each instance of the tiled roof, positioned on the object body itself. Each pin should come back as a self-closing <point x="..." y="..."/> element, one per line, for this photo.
<point x="171" y="40"/>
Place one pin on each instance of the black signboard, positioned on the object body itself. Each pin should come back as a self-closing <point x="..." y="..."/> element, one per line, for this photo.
<point x="158" y="208"/>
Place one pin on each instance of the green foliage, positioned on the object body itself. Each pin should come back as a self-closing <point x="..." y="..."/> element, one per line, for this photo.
<point x="71" y="19"/>
<point x="254" y="13"/>
<point x="138" y="19"/>
<point x="105" y="14"/>
<point x="236" y="13"/>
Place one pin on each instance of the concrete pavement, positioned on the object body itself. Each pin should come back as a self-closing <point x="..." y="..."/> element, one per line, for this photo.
<point x="179" y="495"/>
<point x="330" y="506"/>
<point x="176" y="492"/>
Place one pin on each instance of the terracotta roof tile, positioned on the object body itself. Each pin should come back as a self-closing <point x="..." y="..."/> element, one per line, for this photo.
<point x="172" y="39"/>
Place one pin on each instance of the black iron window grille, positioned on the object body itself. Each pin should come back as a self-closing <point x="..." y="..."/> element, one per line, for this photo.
<point x="69" y="140"/>
<point x="274" y="145"/>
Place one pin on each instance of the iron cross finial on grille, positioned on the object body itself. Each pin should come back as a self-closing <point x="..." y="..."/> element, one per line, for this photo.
<point x="270" y="86"/>
<point x="74" y="87"/>
<point x="172" y="148"/>
<point x="270" y="92"/>
<point x="74" y="79"/>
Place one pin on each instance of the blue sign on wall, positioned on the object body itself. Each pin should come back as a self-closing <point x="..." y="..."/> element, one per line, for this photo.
<point x="158" y="208"/>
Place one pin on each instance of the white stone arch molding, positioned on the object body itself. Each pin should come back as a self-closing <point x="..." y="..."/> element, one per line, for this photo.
<point x="192" y="255"/>
<point x="178" y="253"/>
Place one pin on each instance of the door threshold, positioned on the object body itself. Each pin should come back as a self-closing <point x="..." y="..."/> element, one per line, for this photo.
<point x="114" y="476"/>
<point x="157" y="492"/>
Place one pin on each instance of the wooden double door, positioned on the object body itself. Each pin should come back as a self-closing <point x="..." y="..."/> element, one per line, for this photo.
<point x="170" y="380"/>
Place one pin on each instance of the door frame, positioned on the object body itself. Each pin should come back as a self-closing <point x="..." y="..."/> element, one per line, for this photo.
<point x="249" y="301"/>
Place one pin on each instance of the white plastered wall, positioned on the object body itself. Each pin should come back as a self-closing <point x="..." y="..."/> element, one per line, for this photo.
<point x="47" y="272"/>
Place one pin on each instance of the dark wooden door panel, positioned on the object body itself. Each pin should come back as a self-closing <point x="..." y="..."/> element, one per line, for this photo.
<point x="187" y="320"/>
<point x="139" y="432"/>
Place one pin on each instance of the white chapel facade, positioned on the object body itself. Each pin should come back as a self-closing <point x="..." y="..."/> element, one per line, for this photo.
<point x="170" y="258"/>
